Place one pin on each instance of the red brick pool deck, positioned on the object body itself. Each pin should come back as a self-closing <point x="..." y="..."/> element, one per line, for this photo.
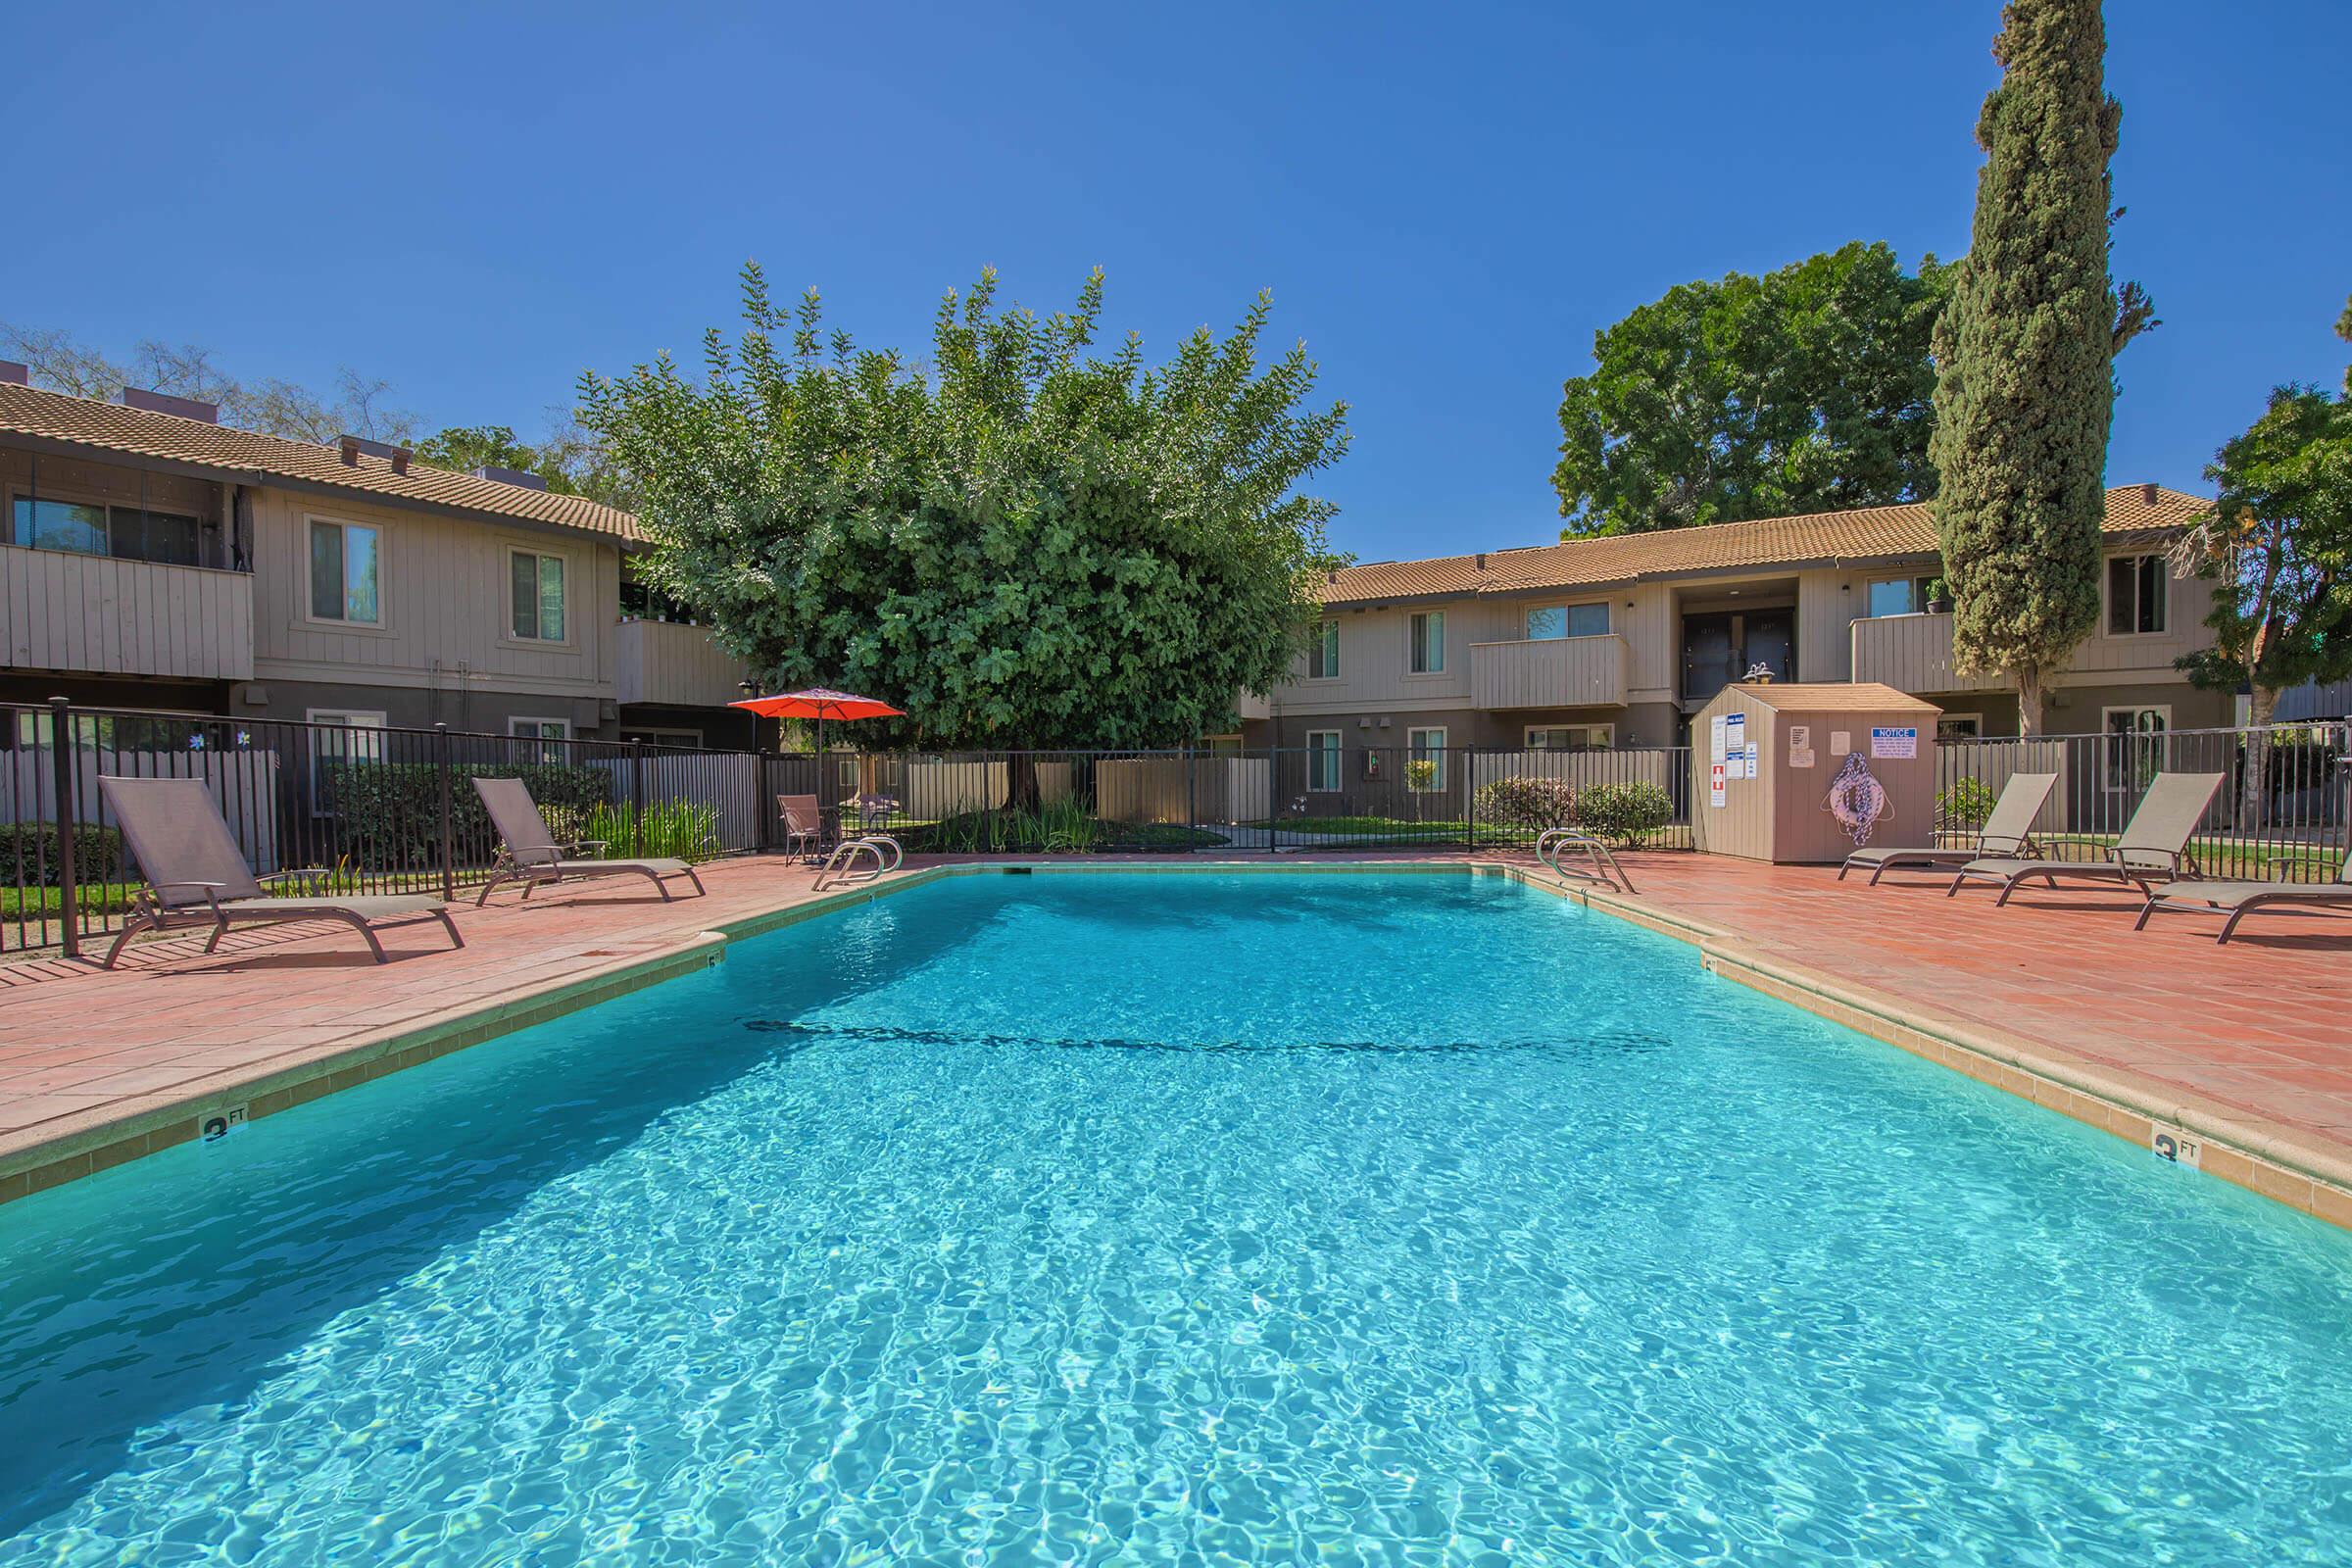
<point x="2247" y="1046"/>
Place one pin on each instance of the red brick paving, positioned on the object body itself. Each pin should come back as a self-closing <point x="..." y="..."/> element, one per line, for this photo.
<point x="2262" y="1028"/>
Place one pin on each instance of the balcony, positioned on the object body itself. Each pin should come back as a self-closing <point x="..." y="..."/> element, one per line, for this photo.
<point x="1550" y="672"/>
<point x="1913" y="653"/>
<point x="1249" y="705"/>
<point x="100" y="616"/>
<point x="660" y="661"/>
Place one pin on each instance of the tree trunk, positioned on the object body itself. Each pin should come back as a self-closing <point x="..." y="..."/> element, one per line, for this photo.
<point x="2028" y="701"/>
<point x="2253" y="790"/>
<point x="1021" y="792"/>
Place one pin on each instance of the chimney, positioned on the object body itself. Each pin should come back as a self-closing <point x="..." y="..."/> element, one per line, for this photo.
<point x="2147" y="493"/>
<point x="1482" y="561"/>
<point x="513" y="477"/>
<point x="349" y="447"/>
<point x="164" y="402"/>
<point x="16" y="375"/>
<point x="400" y="460"/>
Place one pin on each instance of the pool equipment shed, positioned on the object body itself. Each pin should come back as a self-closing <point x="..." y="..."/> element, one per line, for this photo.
<point x="1765" y="755"/>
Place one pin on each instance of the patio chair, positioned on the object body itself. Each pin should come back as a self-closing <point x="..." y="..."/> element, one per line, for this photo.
<point x="803" y="823"/>
<point x="531" y="855"/>
<point x="2008" y="832"/>
<point x="2152" y="848"/>
<point x="2240" y="898"/>
<point x="197" y="876"/>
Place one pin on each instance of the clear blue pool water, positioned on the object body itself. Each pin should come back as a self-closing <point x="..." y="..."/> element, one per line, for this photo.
<point x="1146" y="1219"/>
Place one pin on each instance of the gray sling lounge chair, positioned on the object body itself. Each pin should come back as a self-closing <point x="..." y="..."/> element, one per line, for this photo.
<point x="196" y="875"/>
<point x="2152" y="848"/>
<point x="2008" y="830"/>
<point x="531" y="855"/>
<point x="2241" y="899"/>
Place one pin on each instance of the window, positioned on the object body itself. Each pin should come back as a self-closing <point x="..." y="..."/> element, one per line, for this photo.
<point x="1323" y="656"/>
<point x="1571" y="737"/>
<point x="339" y="738"/>
<point x="2135" y="594"/>
<point x="1429" y="643"/>
<point x="1960" y="727"/>
<point x="2134" y="746"/>
<point x="1323" y="759"/>
<point x="653" y="735"/>
<point x="540" y="731"/>
<point x="538" y="596"/>
<point x="1550" y="621"/>
<point x="1427" y="745"/>
<point x="343" y="573"/>
<point x="1900" y="596"/>
<point x="127" y="533"/>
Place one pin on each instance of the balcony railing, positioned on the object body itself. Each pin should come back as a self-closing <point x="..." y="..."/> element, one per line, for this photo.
<point x="1550" y="672"/>
<point x="1913" y="653"/>
<point x="661" y="661"/>
<point x="102" y="615"/>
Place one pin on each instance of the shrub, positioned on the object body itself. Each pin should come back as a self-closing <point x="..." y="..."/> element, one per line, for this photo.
<point x="29" y="854"/>
<point x="1963" y="806"/>
<point x="1534" y="804"/>
<point x="387" y="815"/>
<point x="1060" y="826"/>
<point x="1622" y="812"/>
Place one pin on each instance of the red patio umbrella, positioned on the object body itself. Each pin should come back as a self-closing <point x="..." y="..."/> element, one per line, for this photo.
<point x="821" y="704"/>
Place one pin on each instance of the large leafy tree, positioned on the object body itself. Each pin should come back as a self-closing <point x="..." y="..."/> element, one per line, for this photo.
<point x="2025" y="352"/>
<point x="1022" y="544"/>
<point x="1806" y="389"/>
<point x="2277" y="545"/>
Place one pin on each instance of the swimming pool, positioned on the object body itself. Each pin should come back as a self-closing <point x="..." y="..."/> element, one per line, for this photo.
<point x="1116" y="1217"/>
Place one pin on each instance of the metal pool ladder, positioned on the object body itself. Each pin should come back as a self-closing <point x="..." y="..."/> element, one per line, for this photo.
<point x="1604" y="867"/>
<point x="845" y="867"/>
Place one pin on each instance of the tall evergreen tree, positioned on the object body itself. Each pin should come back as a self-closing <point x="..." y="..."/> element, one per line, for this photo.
<point x="2025" y="353"/>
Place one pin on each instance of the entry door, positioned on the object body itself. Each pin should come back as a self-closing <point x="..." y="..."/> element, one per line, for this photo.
<point x="1771" y="641"/>
<point x="1709" y="652"/>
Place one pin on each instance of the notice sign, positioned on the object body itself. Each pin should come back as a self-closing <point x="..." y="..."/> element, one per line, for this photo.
<point x="1755" y="763"/>
<point x="1841" y="742"/>
<point x="1715" y="783"/>
<point x="1801" y="746"/>
<point x="1716" y="741"/>
<point x="1889" y="741"/>
<point x="1734" y="743"/>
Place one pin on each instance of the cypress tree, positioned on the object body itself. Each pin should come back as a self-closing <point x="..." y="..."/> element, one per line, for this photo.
<point x="2024" y="355"/>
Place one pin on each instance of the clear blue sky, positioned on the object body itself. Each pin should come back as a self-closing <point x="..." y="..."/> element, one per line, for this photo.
<point x="477" y="202"/>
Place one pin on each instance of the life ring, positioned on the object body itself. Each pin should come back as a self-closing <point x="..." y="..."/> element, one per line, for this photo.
<point x="1856" y="798"/>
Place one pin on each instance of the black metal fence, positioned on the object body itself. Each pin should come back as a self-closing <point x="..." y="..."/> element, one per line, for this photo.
<point x="388" y="809"/>
<point x="2282" y="806"/>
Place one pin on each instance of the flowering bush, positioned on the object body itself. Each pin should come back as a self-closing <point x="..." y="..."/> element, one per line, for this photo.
<point x="1534" y="804"/>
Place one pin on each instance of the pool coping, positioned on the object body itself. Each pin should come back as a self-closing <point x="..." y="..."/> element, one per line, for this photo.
<point x="2263" y="1157"/>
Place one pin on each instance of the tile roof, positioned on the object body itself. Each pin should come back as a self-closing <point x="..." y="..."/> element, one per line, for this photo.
<point x="258" y="458"/>
<point x="1869" y="533"/>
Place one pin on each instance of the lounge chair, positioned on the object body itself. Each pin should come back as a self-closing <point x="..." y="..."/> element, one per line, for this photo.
<point x="2152" y="848"/>
<point x="531" y="855"/>
<point x="2241" y="899"/>
<point x="197" y="876"/>
<point x="803" y="823"/>
<point x="2008" y="832"/>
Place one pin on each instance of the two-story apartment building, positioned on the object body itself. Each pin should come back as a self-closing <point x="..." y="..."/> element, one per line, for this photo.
<point x="153" y="558"/>
<point x="1615" y="642"/>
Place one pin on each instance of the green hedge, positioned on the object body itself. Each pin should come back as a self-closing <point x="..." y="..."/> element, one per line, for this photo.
<point x="1622" y="812"/>
<point x="97" y="853"/>
<point x="1534" y="804"/>
<point x="387" y="815"/>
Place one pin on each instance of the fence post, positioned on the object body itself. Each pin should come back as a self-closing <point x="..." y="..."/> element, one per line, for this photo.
<point x="637" y="799"/>
<point x="61" y="759"/>
<point x="449" y="846"/>
<point x="1470" y="796"/>
<point x="1191" y="803"/>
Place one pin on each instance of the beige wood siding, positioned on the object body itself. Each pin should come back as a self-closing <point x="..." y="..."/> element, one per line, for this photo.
<point x="1375" y="666"/>
<point x="1914" y="653"/>
<point x="444" y="598"/>
<point x="96" y="614"/>
<point x="1556" y="673"/>
<point x="656" y="662"/>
